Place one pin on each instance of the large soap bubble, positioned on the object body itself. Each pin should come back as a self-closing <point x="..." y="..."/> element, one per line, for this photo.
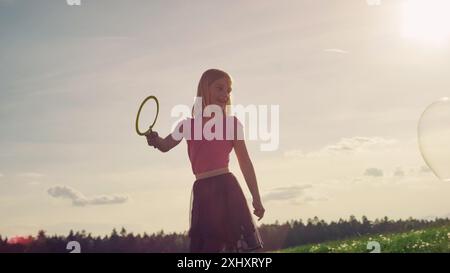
<point x="434" y="137"/>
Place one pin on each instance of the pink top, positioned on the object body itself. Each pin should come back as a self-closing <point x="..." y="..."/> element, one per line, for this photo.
<point x="207" y="149"/>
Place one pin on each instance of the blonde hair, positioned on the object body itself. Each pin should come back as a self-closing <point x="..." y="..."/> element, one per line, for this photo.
<point x="208" y="77"/>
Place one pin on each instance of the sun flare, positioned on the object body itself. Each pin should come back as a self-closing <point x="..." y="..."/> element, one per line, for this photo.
<point x="427" y="20"/>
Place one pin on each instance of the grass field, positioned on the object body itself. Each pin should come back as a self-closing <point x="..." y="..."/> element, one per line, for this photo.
<point x="429" y="240"/>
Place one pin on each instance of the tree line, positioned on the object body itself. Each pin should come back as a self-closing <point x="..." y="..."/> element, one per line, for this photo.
<point x="275" y="236"/>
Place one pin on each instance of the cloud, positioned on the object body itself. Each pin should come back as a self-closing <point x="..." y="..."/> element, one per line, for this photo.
<point x="373" y="172"/>
<point x="349" y="145"/>
<point x="295" y="153"/>
<point x="310" y="199"/>
<point x="358" y="143"/>
<point x="31" y="175"/>
<point x="399" y="172"/>
<point x="285" y="193"/>
<point x="424" y="169"/>
<point x="119" y="38"/>
<point x="336" y="50"/>
<point x="1" y="175"/>
<point x="79" y="199"/>
<point x="296" y="194"/>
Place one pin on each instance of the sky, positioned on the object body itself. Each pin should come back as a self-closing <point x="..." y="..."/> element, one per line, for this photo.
<point x="351" y="79"/>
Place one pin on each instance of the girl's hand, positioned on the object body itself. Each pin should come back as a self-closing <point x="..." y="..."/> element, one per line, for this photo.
<point x="259" y="209"/>
<point x="152" y="139"/>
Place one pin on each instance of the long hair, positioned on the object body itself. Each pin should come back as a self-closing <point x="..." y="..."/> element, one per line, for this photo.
<point x="208" y="77"/>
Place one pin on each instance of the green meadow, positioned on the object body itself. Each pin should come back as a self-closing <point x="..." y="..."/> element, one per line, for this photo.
<point x="429" y="240"/>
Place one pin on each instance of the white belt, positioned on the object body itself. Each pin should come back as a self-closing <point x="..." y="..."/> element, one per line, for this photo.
<point x="212" y="173"/>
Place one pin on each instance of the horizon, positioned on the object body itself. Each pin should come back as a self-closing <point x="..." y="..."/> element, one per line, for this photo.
<point x="351" y="80"/>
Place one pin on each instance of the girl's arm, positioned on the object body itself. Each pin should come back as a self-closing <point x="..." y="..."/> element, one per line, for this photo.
<point x="162" y="144"/>
<point x="249" y="174"/>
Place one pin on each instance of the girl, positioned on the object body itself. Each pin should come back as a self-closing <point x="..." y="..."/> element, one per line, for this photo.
<point x="220" y="220"/>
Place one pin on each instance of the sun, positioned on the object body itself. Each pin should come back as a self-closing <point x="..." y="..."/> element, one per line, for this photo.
<point x="427" y="20"/>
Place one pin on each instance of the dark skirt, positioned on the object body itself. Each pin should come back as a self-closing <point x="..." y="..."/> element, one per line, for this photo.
<point x="220" y="219"/>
